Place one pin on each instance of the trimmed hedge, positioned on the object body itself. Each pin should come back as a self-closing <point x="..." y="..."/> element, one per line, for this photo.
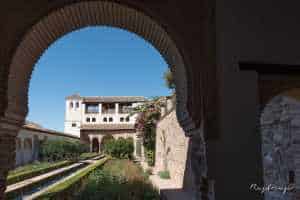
<point x="71" y="185"/>
<point x="120" y="148"/>
<point x="89" y="155"/>
<point x="17" y="177"/>
<point x="55" y="150"/>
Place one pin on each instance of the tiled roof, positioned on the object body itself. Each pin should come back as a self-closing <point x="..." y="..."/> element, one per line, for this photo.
<point x="108" y="127"/>
<point x="109" y="99"/>
<point x="47" y="131"/>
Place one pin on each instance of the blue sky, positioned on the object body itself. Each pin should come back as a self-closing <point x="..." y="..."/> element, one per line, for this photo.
<point x="98" y="61"/>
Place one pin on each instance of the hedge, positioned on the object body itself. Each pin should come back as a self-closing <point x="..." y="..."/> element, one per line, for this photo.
<point x="70" y="185"/>
<point x="89" y="155"/>
<point x="120" y="148"/>
<point x="17" y="177"/>
<point x="55" y="150"/>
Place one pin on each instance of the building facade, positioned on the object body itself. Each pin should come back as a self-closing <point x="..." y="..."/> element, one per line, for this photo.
<point x="93" y="118"/>
<point x="30" y="137"/>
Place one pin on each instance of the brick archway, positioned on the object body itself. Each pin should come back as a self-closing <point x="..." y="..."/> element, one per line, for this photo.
<point x="80" y="15"/>
<point x="73" y="17"/>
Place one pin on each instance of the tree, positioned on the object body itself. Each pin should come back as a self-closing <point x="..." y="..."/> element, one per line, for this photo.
<point x="169" y="79"/>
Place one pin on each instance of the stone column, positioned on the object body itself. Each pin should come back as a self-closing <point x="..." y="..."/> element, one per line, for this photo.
<point x="91" y="143"/>
<point x="117" y="108"/>
<point x="8" y="133"/>
<point x="100" y="108"/>
<point x="139" y="139"/>
<point x="82" y="113"/>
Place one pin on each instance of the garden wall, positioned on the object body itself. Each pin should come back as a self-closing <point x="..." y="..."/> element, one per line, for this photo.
<point x="176" y="142"/>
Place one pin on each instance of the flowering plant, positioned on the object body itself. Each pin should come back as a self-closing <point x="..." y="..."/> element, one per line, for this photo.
<point x="148" y="115"/>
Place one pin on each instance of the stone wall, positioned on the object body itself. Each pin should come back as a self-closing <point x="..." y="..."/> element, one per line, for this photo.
<point x="280" y="129"/>
<point x="176" y="145"/>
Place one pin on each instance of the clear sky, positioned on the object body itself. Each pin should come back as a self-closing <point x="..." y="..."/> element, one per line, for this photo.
<point x="98" y="61"/>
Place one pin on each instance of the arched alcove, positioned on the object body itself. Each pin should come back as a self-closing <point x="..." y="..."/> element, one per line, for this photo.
<point x="280" y="130"/>
<point x="95" y="145"/>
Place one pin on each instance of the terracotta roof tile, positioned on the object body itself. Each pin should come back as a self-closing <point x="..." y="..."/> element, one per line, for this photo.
<point x="108" y="127"/>
<point x="109" y="99"/>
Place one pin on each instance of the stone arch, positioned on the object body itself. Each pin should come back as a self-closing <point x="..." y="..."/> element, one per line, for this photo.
<point x="280" y="132"/>
<point x="95" y="145"/>
<point x="80" y="15"/>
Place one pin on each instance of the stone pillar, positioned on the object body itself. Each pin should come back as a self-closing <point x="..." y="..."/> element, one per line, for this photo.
<point x="117" y="108"/>
<point x="8" y="132"/>
<point x="100" y="108"/>
<point x="139" y="139"/>
<point x="91" y="143"/>
<point x="82" y="112"/>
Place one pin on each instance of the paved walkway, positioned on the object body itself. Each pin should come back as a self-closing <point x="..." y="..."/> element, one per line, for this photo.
<point x="168" y="189"/>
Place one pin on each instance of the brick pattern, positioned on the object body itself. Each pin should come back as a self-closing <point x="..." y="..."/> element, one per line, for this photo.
<point x="8" y="131"/>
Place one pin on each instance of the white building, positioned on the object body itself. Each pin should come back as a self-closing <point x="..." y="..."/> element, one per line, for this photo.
<point x="29" y="138"/>
<point x="91" y="118"/>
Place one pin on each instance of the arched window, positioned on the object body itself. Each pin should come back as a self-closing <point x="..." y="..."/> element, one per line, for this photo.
<point x="71" y="105"/>
<point x="77" y="104"/>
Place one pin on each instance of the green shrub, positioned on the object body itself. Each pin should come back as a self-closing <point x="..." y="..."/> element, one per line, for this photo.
<point x="72" y="184"/>
<point x="164" y="174"/>
<point x="34" y="170"/>
<point x="88" y="155"/>
<point x="54" y="150"/>
<point x="118" y="180"/>
<point x="121" y="148"/>
<point x="150" y="157"/>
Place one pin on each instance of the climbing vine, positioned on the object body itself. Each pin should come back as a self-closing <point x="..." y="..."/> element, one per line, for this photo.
<point x="148" y="115"/>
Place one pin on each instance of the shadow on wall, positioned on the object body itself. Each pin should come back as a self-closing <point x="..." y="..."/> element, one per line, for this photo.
<point x="187" y="192"/>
